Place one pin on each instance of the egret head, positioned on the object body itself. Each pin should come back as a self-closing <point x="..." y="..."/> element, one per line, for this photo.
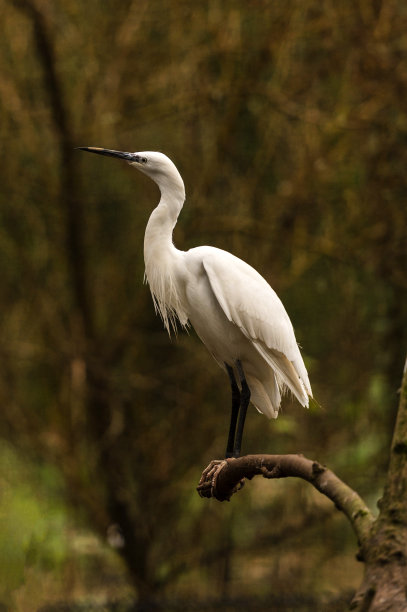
<point x="156" y="165"/>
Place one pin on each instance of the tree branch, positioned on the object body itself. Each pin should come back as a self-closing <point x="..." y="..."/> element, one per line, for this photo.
<point x="221" y="479"/>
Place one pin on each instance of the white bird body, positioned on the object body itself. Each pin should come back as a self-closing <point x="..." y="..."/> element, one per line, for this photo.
<point x="232" y="308"/>
<point x="247" y="322"/>
<point x="234" y="311"/>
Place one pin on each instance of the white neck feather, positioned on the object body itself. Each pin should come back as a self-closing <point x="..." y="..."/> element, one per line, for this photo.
<point x="160" y="255"/>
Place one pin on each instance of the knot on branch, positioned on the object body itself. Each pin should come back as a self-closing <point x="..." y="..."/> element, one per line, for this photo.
<point x="275" y="472"/>
<point x="317" y="468"/>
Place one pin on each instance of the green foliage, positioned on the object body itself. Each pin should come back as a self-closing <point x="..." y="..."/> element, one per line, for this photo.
<point x="32" y="526"/>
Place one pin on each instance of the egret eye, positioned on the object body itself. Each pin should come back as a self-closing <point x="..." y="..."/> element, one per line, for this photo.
<point x="143" y="160"/>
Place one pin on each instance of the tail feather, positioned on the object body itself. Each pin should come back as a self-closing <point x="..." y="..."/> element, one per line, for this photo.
<point x="265" y="395"/>
<point x="286" y="371"/>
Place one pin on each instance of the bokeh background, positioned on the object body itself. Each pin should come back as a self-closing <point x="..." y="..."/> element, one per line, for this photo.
<point x="288" y="122"/>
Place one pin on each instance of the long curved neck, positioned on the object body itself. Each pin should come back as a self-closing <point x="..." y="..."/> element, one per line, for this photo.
<point x="158" y="235"/>
<point x="160" y="254"/>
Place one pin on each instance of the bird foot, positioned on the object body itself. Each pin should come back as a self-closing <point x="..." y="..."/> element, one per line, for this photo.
<point x="207" y="482"/>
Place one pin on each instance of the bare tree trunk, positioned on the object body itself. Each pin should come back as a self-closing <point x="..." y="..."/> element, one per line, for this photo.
<point x="384" y="587"/>
<point x="69" y="200"/>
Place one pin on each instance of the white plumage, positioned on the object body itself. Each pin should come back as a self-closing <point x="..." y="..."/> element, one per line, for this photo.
<point x="235" y="312"/>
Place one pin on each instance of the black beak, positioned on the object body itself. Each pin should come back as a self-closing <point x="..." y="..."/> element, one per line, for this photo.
<point x="131" y="157"/>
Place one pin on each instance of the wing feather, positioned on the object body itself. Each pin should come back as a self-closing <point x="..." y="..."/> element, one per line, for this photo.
<point x="250" y="303"/>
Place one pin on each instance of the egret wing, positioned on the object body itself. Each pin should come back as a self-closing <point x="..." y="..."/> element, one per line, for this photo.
<point x="250" y="303"/>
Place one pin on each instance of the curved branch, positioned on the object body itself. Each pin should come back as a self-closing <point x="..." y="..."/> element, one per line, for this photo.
<point x="221" y="479"/>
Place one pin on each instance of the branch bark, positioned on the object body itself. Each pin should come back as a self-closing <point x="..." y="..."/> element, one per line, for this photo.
<point x="221" y="479"/>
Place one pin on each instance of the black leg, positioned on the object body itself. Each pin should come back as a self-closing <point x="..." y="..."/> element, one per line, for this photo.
<point x="244" y="402"/>
<point x="235" y="411"/>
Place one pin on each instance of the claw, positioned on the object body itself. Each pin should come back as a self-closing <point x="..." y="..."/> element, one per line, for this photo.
<point x="207" y="482"/>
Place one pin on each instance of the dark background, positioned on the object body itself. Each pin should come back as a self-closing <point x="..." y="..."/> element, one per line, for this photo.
<point x="288" y="123"/>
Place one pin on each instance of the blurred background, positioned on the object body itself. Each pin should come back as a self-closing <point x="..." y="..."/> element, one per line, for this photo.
<point x="288" y="123"/>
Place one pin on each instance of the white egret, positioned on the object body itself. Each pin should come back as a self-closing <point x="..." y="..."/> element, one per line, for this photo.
<point x="234" y="311"/>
